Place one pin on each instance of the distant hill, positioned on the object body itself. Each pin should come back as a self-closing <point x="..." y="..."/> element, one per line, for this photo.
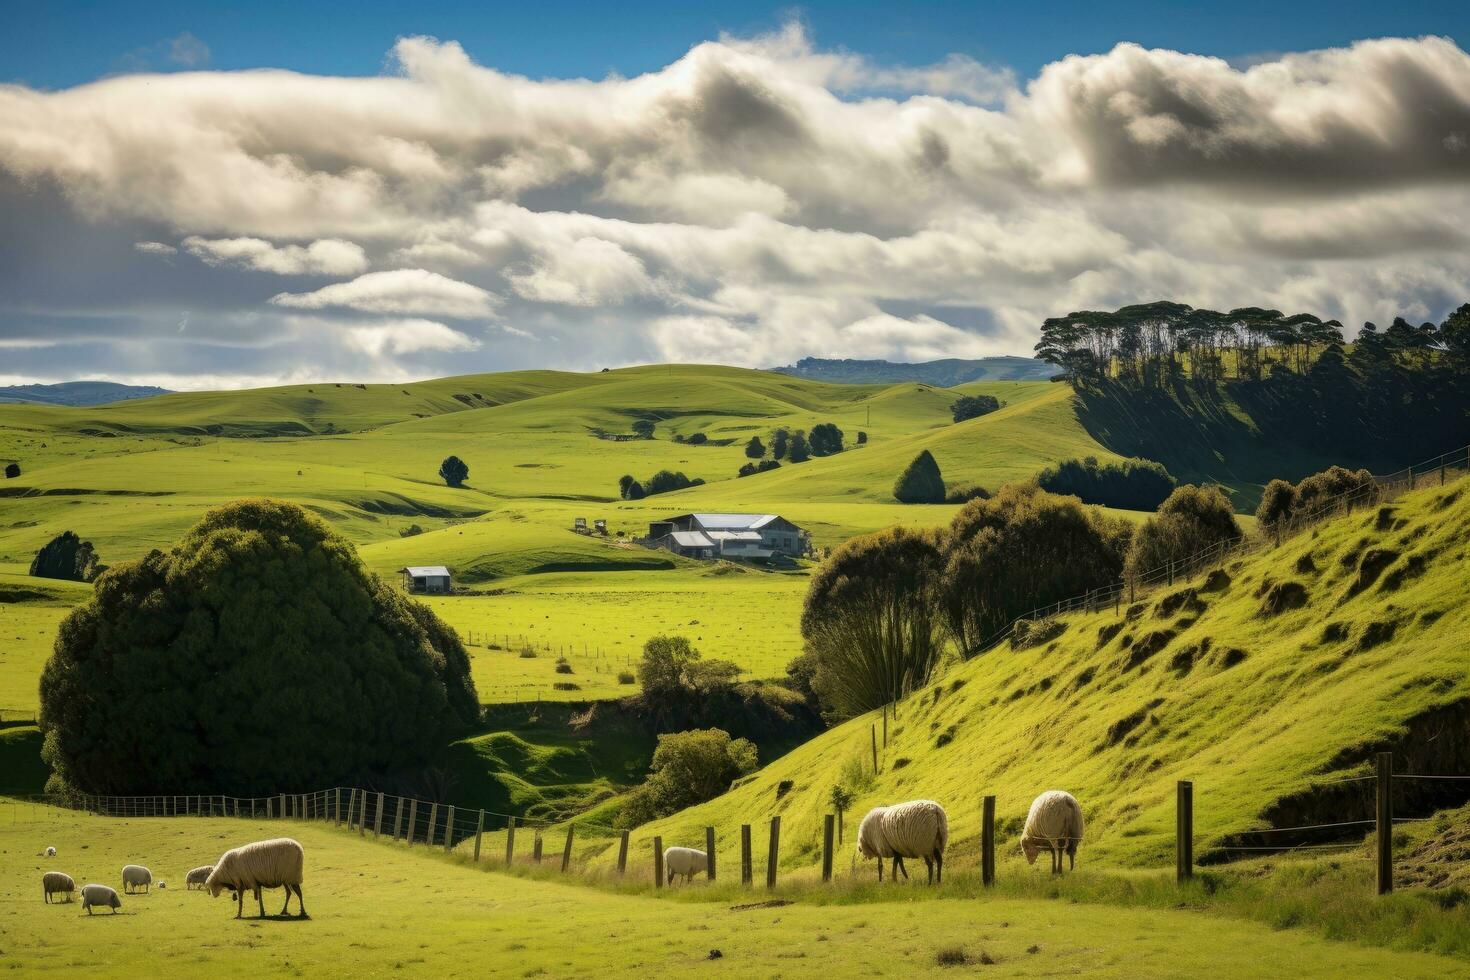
<point x="944" y="374"/>
<point x="83" y="393"/>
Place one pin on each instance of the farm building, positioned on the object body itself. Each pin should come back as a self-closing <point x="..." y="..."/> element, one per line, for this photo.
<point x="729" y="536"/>
<point x="427" y="578"/>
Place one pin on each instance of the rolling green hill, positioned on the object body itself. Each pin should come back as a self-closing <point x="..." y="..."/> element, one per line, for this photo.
<point x="1265" y="684"/>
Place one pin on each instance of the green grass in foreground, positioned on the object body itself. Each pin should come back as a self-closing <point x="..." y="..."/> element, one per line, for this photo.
<point x="379" y="908"/>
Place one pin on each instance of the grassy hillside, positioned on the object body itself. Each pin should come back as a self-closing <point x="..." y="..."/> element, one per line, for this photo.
<point x="378" y="908"/>
<point x="1264" y="687"/>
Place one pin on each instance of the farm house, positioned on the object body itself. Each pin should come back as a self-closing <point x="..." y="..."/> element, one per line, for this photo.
<point x="729" y="536"/>
<point x="427" y="578"/>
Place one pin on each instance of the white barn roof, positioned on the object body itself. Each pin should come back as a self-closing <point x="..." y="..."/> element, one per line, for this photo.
<point x="427" y="571"/>
<point x="731" y="522"/>
<point x="692" y="539"/>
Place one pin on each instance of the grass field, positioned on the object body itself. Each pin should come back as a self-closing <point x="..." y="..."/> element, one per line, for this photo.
<point x="1204" y="685"/>
<point x="378" y="908"/>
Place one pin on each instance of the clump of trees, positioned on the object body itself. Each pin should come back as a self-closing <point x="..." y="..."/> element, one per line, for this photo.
<point x="688" y="768"/>
<point x="798" y="450"/>
<point x="454" y="471"/>
<point x="68" y="557"/>
<point x="963" y="493"/>
<point x="1281" y="501"/>
<point x="12" y="470"/>
<point x="755" y="449"/>
<point x="1191" y="520"/>
<point x="664" y="481"/>
<point x="630" y="489"/>
<point x="287" y="663"/>
<point x="921" y="482"/>
<point x="825" y="439"/>
<point x="764" y="466"/>
<point x="643" y="428"/>
<point x="968" y="407"/>
<point x="1130" y="484"/>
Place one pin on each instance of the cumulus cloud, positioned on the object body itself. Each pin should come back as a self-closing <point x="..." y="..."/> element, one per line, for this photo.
<point x="756" y="200"/>
<point x="327" y="256"/>
<point x="408" y="337"/>
<point x="416" y="291"/>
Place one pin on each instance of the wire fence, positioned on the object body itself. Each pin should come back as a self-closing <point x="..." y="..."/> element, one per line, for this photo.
<point x="1131" y="588"/>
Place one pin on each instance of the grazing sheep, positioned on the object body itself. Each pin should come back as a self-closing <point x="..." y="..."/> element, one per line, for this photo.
<point x="50" y="852"/>
<point x="198" y="876"/>
<point x="918" y="828"/>
<point x="1054" y="823"/>
<point x="264" y="864"/>
<point x="56" y="883"/>
<point x="685" y="861"/>
<point x="136" y="876"/>
<point x="100" y="895"/>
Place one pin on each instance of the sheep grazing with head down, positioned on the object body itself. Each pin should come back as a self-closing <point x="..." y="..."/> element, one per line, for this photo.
<point x="684" y="861"/>
<point x="56" y="883"/>
<point x="1053" y="824"/>
<point x="136" y="876"/>
<point x="916" y="829"/>
<point x="275" y="863"/>
<point x="100" y="896"/>
<point x="50" y="852"/>
<point x="197" y="876"/>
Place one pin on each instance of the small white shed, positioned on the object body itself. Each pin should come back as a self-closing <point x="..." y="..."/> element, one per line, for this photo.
<point x="427" y="578"/>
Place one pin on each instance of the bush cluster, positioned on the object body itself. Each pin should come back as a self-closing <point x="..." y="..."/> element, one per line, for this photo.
<point x="1131" y="484"/>
<point x="688" y="768"/>
<point x="1281" y="501"/>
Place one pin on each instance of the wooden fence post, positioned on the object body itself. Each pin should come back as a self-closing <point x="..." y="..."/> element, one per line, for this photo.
<point x="745" y="869"/>
<point x="413" y="819"/>
<point x="433" y="822"/>
<point x="658" y="862"/>
<point x="510" y="841"/>
<point x="362" y="814"/>
<point x="398" y="820"/>
<point x="337" y="805"/>
<point x="623" y="853"/>
<point x="479" y="832"/>
<point x="775" y="852"/>
<point x="987" y="841"/>
<point x="873" y="731"/>
<point x="709" y="850"/>
<point x="1184" y="832"/>
<point x="378" y="818"/>
<point x="449" y="830"/>
<point x="282" y="811"/>
<point x="885" y="726"/>
<point x="1385" y="823"/>
<point x="829" y="825"/>
<point x="566" y="854"/>
<point x="536" y="848"/>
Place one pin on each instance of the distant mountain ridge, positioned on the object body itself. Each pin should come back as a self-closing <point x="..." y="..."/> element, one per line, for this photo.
<point x="943" y="373"/>
<point x="78" y="393"/>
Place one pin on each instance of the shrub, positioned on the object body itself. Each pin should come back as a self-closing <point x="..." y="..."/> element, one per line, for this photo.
<point x="528" y="653"/>
<point x="1022" y="549"/>
<point x="12" y="470"/>
<point x="643" y="428"/>
<point x="661" y="668"/>
<point x="565" y="686"/>
<point x="1278" y="501"/>
<point x="1191" y="520"/>
<point x="665" y="481"/>
<point x="626" y="677"/>
<point x="67" y="556"/>
<point x="973" y="406"/>
<point x="563" y="666"/>
<point x="921" y="482"/>
<point x="708" y="676"/>
<point x="870" y="620"/>
<point x="755" y="449"/>
<point x="286" y="662"/>
<point x="688" y="768"/>
<point x="862" y="438"/>
<point x="698" y="439"/>
<point x="454" y="471"/>
<point x="764" y="466"/>
<point x="1332" y="482"/>
<point x="825" y="439"/>
<point x="413" y="530"/>
<point x="966" y="492"/>
<point x="1132" y="484"/>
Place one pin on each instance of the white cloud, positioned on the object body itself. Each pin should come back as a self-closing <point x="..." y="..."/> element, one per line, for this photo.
<point x="407" y="337"/>
<point x="155" y="248"/>
<point x="325" y="257"/>
<point x="412" y="291"/>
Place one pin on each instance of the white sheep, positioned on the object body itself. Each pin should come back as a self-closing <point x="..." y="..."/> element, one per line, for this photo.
<point x="100" y="895"/>
<point x="918" y="828"/>
<point x="50" y="852"/>
<point x="56" y="883"/>
<point x="197" y="876"/>
<point x="136" y="876"/>
<point x="264" y="864"/>
<point x="685" y="861"/>
<point x="1054" y="823"/>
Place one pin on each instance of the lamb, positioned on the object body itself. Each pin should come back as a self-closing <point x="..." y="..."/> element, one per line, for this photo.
<point x="264" y="864"/>
<point x="56" y="883"/>
<point x="50" y="852"/>
<point x="918" y="828"/>
<point x="685" y="861"/>
<point x="198" y="876"/>
<point x="1054" y="823"/>
<point x="135" y="876"/>
<point x="100" y="895"/>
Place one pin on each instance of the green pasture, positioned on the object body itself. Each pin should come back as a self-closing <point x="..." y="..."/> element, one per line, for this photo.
<point x="378" y="908"/>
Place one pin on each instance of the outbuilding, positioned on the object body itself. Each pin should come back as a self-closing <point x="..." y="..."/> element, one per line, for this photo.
<point x="427" y="578"/>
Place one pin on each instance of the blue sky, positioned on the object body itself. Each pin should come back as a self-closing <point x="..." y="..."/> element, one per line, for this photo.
<point x="60" y="43"/>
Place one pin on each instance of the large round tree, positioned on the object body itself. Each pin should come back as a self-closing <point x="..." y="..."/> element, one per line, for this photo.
<point x="258" y="656"/>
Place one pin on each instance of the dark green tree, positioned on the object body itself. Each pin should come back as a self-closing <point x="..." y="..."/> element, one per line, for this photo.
<point x="663" y="664"/>
<point x="1129" y="484"/>
<point x="688" y="768"/>
<point x="67" y="556"/>
<point x="862" y="438"/>
<point x="755" y="449"/>
<point x="921" y="482"/>
<point x="12" y="470"/>
<point x="1191" y="520"/>
<point x="643" y="428"/>
<point x="257" y="654"/>
<point x="1278" y="500"/>
<point x="778" y="443"/>
<point x="453" y="471"/>
<point x="973" y="406"/>
<point x="825" y="439"/>
<point x="1454" y="336"/>
<point x="798" y="450"/>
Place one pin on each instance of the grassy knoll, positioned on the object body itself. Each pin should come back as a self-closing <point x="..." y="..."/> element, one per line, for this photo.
<point x="379" y="908"/>
<point x="1260" y="689"/>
